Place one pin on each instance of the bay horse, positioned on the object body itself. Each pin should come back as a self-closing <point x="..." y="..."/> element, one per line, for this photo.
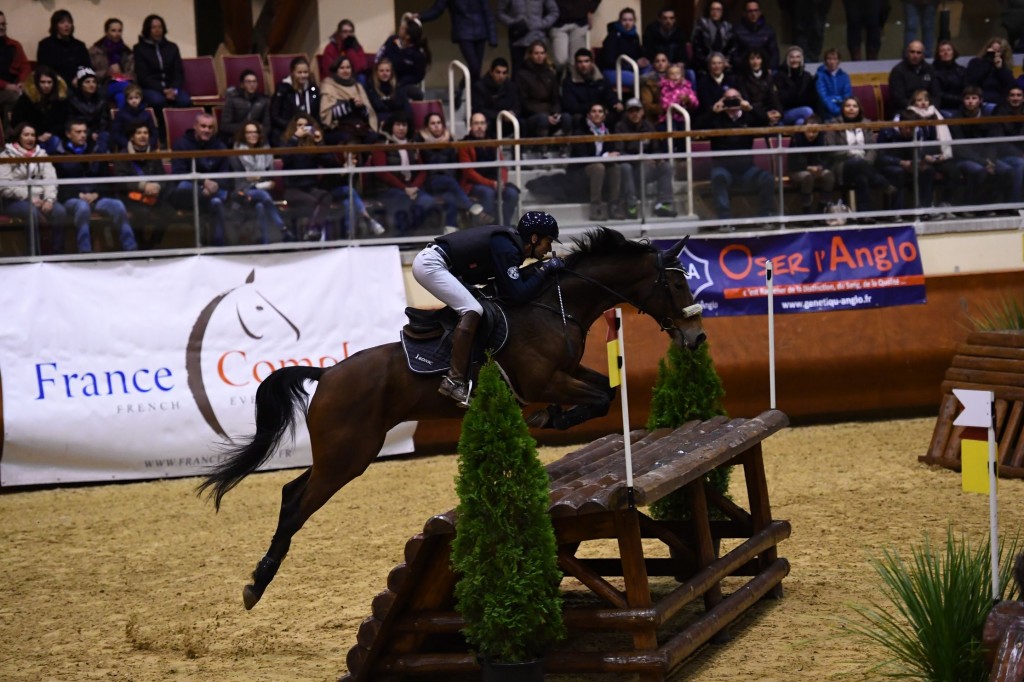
<point x="359" y="399"/>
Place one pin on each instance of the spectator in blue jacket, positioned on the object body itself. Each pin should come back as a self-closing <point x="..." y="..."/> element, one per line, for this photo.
<point x="127" y="117"/>
<point x="473" y="27"/>
<point x="623" y="39"/>
<point x="833" y="85"/>
<point x="753" y="31"/>
<point x="212" y="195"/>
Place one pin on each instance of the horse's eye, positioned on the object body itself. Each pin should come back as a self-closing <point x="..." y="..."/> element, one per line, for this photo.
<point x="259" y="308"/>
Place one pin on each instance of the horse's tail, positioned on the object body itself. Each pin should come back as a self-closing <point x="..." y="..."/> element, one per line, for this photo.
<point x="276" y="401"/>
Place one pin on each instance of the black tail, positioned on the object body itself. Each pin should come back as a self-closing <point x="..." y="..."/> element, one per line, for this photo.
<point x="276" y="401"/>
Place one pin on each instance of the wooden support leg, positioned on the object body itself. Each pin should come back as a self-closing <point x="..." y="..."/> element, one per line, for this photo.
<point x="634" y="573"/>
<point x="760" y="508"/>
<point x="705" y="549"/>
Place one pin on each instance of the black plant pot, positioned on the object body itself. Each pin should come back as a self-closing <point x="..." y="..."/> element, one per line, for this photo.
<point x="527" y="671"/>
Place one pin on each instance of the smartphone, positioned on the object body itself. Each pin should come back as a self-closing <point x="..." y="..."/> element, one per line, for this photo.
<point x="309" y="129"/>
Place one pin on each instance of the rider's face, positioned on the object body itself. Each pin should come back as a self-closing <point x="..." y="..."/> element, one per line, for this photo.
<point x="541" y="246"/>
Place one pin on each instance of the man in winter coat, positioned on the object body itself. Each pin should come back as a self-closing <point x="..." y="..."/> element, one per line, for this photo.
<point x="14" y="68"/>
<point x="909" y="76"/>
<point x="985" y="178"/>
<point x="496" y="92"/>
<point x="584" y="86"/>
<point x="527" y="21"/>
<point x="243" y="104"/>
<point x="665" y="36"/>
<point x="202" y="137"/>
<point x="472" y="28"/>
<point x="754" y="31"/>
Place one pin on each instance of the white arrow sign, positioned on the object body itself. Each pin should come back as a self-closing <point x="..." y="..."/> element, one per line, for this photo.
<point x="977" y="408"/>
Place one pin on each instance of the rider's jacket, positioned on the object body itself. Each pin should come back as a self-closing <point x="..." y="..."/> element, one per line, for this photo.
<point x="488" y="252"/>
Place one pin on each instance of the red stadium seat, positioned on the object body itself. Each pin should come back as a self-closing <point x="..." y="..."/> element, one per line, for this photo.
<point x="868" y="101"/>
<point x="420" y="110"/>
<point x="235" y="64"/>
<point x="201" y="80"/>
<point x="883" y="97"/>
<point x="281" y="66"/>
<point x="177" y="121"/>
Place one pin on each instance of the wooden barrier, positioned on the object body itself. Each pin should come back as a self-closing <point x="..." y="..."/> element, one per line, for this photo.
<point x="988" y="361"/>
<point x="413" y="628"/>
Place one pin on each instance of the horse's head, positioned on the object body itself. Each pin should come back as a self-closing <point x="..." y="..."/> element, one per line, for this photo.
<point x="671" y="302"/>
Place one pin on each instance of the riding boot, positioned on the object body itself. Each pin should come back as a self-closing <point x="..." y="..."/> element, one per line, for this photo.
<point x="454" y="385"/>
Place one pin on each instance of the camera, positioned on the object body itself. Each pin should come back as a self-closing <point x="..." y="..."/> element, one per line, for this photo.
<point x="731" y="101"/>
<point x="990" y="56"/>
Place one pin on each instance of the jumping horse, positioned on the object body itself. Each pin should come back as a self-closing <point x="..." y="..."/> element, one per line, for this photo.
<point x="360" y="399"/>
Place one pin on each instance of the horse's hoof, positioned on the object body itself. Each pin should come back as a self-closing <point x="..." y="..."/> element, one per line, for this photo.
<point x="250" y="596"/>
<point x="539" y="419"/>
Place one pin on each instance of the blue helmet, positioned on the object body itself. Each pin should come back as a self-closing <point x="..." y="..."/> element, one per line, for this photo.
<point x="538" y="222"/>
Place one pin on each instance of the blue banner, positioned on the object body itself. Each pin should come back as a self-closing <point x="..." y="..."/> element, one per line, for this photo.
<point x="848" y="269"/>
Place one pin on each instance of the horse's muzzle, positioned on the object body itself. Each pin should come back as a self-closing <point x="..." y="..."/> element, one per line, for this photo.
<point x="689" y="338"/>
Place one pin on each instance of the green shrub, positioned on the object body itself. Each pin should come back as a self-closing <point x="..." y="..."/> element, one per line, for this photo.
<point x="504" y="549"/>
<point x="1005" y="315"/>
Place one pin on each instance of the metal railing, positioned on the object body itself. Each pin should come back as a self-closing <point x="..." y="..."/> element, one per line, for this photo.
<point x="688" y="143"/>
<point x="636" y="74"/>
<point x="467" y="93"/>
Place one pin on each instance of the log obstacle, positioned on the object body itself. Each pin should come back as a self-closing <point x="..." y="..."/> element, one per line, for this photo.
<point x="988" y="361"/>
<point x="413" y="628"/>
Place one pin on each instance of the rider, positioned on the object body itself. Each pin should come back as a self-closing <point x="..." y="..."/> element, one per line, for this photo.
<point x="468" y="257"/>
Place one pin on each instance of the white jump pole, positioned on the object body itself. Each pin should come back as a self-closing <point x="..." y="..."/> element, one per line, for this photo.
<point x="771" y="333"/>
<point x="625" y="411"/>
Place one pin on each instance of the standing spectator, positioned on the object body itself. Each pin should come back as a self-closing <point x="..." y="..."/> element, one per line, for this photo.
<point x="665" y="36"/>
<point x="984" y="177"/>
<point x="1012" y="154"/>
<point x="34" y="198"/>
<point x="244" y="103"/>
<point x="711" y="34"/>
<point x="569" y="33"/>
<point x="712" y="83"/>
<point x="950" y="78"/>
<point x="757" y="87"/>
<point x="622" y="39"/>
<point x="495" y="92"/>
<point x="212" y="193"/>
<point x="856" y="165"/>
<point x="158" y="67"/>
<point x="909" y="76"/>
<point x="650" y="87"/>
<point x="864" y="20"/>
<point x="675" y="89"/>
<point x="991" y="71"/>
<point x="481" y="183"/>
<point x="44" y="105"/>
<point x="833" y="85"/>
<point x="311" y="203"/>
<point x="809" y="167"/>
<point x="295" y="94"/>
<point x="113" y="62"/>
<point x="537" y="82"/>
<point x="603" y="178"/>
<point x="87" y="104"/>
<point x="345" y="109"/>
<point x="409" y="55"/>
<point x="473" y="28"/>
<point x="132" y="114"/>
<point x="528" y="22"/>
<point x="795" y="88"/>
<point x="144" y="199"/>
<point x="754" y="32"/>
<point x="14" y="69"/>
<point x="386" y="97"/>
<point x="584" y="86"/>
<point x="659" y="171"/>
<point x="343" y="43"/>
<point x="253" y="190"/>
<point x="809" y="18"/>
<point x="409" y="205"/>
<point x="919" y="23"/>
<point x="1013" y="21"/>
<point x="62" y="51"/>
<point x="443" y="182"/>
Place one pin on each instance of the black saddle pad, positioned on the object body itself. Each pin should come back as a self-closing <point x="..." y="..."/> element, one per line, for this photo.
<point x="433" y="356"/>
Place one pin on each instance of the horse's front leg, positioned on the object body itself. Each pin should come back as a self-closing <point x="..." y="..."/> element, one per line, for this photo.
<point x="585" y="389"/>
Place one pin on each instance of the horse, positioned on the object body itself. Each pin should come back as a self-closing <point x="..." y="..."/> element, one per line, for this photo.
<point x="359" y="399"/>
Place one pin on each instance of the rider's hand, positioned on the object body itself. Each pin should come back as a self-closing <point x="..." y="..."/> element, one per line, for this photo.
<point x="553" y="264"/>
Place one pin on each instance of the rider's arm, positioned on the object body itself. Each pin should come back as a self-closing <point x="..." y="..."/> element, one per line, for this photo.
<point x="514" y="285"/>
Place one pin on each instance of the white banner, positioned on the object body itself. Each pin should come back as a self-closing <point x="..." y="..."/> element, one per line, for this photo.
<point x="138" y="369"/>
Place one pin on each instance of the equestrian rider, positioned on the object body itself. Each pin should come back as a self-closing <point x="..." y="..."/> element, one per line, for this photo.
<point x="473" y="256"/>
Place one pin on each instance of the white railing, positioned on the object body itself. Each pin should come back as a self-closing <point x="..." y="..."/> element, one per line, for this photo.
<point x="672" y="108"/>
<point x="636" y="74"/>
<point x="467" y="93"/>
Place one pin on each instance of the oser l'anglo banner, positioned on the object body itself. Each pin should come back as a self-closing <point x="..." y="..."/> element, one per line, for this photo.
<point x="138" y="369"/>
<point x="845" y="269"/>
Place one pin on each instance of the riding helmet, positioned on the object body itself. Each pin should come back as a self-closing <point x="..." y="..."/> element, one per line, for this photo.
<point x="538" y="222"/>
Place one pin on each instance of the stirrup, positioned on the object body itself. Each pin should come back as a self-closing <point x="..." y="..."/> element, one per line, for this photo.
<point x="457" y="391"/>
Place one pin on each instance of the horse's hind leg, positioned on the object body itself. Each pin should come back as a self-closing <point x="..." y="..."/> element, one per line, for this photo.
<point x="266" y="569"/>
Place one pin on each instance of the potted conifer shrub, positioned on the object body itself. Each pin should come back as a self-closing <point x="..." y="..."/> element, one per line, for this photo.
<point x="504" y="551"/>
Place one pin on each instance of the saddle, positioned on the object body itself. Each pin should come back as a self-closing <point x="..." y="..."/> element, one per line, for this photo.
<point x="427" y="338"/>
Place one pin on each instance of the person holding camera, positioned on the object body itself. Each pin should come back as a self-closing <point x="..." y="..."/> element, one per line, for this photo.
<point x="345" y="44"/>
<point x="992" y="71"/>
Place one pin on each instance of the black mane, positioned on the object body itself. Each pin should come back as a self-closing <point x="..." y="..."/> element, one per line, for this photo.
<point x="602" y="241"/>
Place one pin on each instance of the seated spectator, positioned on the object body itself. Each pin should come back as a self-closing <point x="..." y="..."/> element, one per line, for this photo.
<point x="212" y="193"/>
<point x="754" y="32"/>
<point x="87" y="104"/>
<point x="539" y="97"/>
<point x="992" y="71"/>
<point x="353" y="210"/>
<point x="444" y="182"/>
<point x="732" y="112"/>
<point x="665" y="36"/>
<point x="409" y="205"/>
<point x="481" y="182"/>
<point x="856" y="165"/>
<point x="650" y="87"/>
<point x="603" y="178"/>
<point x="34" y="203"/>
<point x="343" y="43"/>
<point x="713" y="82"/>
<point x="675" y="89"/>
<point x="145" y="200"/>
<point x="657" y="171"/>
<point x="311" y="203"/>
<point x="809" y="168"/>
<point x="950" y="78"/>
<point x="796" y="90"/>
<point x="495" y="93"/>
<point x="14" y="69"/>
<point x="898" y="164"/>
<point x="570" y="32"/>
<point x="43" y="105"/>
<point x="244" y="103"/>
<point x="913" y="73"/>
<point x="623" y="39"/>
<point x="253" y="190"/>
<point x="295" y="94"/>
<point x="1012" y="154"/>
<point x="61" y="50"/>
<point x="583" y="87"/>
<point x="528" y="22"/>
<point x="833" y="85"/>
<point x="409" y="55"/>
<point x="113" y="62"/>
<point x="757" y="87"/>
<point x="133" y="113"/>
<point x="939" y="153"/>
<point x="386" y="97"/>
<point x="713" y="34"/>
<point x="345" y="109"/>
<point x="158" y="67"/>
<point x="985" y="178"/>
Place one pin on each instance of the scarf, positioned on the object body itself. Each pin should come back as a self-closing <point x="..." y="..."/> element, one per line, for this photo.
<point x="346" y="82"/>
<point x="855" y="141"/>
<point x="254" y="163"/>
<point x="596" y="129"/>
<point x="429" y="139"/>
<point x="115" y="51"/>
<point x="942" y="133"/>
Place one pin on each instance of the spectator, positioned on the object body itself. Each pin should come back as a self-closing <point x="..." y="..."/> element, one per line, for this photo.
<point x="1012" y="154"/>
<point x="584" y="86"/>
<point x="864" y="20"/>
<point x="353" y="210"/>
<point x="386" y="97"/>
<point x="795" y="87"/>
<point x="991" y="71"/>
<point x="343" y="43"/>
<point x="603" y="178"/>
<point x="409" y="205"/>
<point x="983" y="177"/>
<point x="897" y="163"/>
<point x="919" y="23"/>
<point x="481" y="182"/>
<point x="808" y="20"/>
<point x="754" y="32"/>
<point x="34" y="203"/>
<point x="528" y="22"/>
<point x="757" y="87"/>
<point x="44" y="105"/>
<point x="409" y="55"/>
<point x="133" y="113"/>
<point x="144" y="199"/>
<point x="657" y="171"/>
<point x="345" y="109"/>
<point x="665" y="36"/>
<point x="158" y="67"/>
<point x="856" y="165"/>
<point x="61" y="51"/>
<point x="113" y="62"/>
<point x="713" y="34"/>
<point x="14" y="69"/>
<point x="311" y="203"/>
<point x="87" y="104"/>
<point x="712" y="84"/>
<point x="244" y="103"/>
<point x="732" y="112"/>
<point x="539" y="97"/>
<point x="950" y="78"/>
<point x="443" y="182"/>
<point x="650" y="87"/>
<point x="833" y="85"/>
<point x="623" y="39"/>
<point x="938" y="153"/>
<point x="675" y="89"/>
<point x="253" y="189"/>
<point x="909" y="76"/>
<point x="495" y="92"/>
<point x="473" y="28"/>
<point x="295" y="94"/>
<point x="809" y="167"/>
<point x="569" y="33"/>
<point x="211" y="193"/>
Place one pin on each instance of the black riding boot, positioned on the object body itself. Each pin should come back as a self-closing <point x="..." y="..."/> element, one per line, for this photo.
<point x="454" y="385"/>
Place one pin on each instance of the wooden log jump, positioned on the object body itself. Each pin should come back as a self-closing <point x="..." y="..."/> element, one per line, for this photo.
<point x="414" y="630"/>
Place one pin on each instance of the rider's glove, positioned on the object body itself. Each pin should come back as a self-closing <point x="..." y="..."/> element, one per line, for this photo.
<point x="552" y="264"/>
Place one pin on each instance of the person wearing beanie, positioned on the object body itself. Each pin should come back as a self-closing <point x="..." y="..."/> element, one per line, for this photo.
<point x="88" y="104"/>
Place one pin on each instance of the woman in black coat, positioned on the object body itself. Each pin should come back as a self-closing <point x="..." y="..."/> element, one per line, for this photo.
<point x="61" y="51"/>
<point x="950" y="76"/>
<point x="158" y="67"/>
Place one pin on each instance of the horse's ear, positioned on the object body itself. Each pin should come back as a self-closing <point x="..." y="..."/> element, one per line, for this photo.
<point x="251" y="278"/>
<point x="677" y="248"/>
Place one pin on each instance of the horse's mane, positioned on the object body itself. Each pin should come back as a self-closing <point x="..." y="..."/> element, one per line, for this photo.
<point x="602" y="241"/>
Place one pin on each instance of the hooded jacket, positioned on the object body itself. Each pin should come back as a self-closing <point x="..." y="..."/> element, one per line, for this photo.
<point x="287" y="102"/>
<point x="795" y="88"/>
<point x="158" y="64"/>
<point x="618" y="42"/>
<point x="45" y="116"/>
<point x="23" y="172"/>
<point x="490" y="97"/>
<point x="832" y="88"/>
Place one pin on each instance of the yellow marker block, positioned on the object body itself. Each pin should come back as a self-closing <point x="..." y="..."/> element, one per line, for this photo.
<point x="974" y="466"/>
<point x="614" y="378"/>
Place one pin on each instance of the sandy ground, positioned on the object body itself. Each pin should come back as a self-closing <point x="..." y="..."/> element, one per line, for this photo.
<point x="143" y="581"/>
